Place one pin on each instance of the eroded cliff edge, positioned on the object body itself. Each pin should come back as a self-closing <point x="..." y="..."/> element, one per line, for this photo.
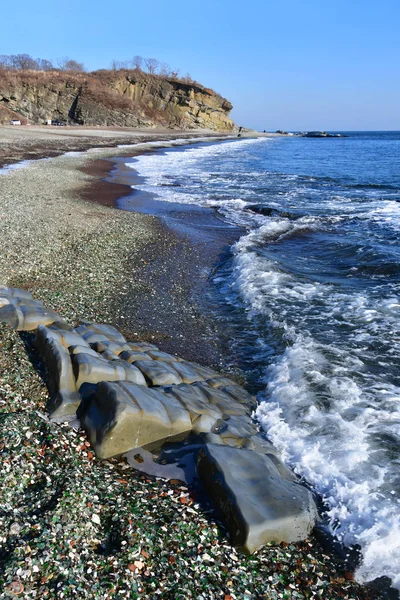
<point x="126" y="98"/>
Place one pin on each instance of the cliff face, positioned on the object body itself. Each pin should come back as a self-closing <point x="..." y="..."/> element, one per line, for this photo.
<point x="119" y="98"/>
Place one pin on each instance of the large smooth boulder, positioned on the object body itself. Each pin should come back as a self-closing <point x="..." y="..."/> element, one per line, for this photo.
<point x="163" y="356"/>
<point x="157" y="372"/>
<point x="204" y="416"/>
<point x="64" y="397"/>
<point x="131" y="356"/>
<point x="109" y="346"/>
<point x="93" y="369"/>
<point x="224" y="402"/>
<point x="142" y="346"/>
<point x="94" y="332"/>
<point x="65" y="337"/>
<point x="121" y="416"/>
<point x="257" y="504"/>
<point x="24" y="314"/>
<point x="15" y="293"/>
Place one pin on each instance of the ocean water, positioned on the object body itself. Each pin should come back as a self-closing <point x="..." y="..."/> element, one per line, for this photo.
<point x="313" y="286"/>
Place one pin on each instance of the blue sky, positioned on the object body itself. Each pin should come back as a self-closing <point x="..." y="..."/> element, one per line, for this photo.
<point x="291" y="64"/>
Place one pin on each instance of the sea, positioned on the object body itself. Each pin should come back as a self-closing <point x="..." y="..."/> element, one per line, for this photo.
<point x="311" y="290"/>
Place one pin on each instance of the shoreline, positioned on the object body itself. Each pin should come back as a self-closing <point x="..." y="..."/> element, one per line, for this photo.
<point x="75" y="289"/>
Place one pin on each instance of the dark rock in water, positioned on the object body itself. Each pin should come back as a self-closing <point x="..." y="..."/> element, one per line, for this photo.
<point x="268" y="211"/>
<point x="258" y="505"/>
<point x="321" y="134"/>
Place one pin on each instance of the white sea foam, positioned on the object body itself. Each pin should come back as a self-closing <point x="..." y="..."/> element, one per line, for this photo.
<point x="322" y="408"/>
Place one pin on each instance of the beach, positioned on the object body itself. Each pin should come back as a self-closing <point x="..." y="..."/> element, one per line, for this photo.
<point x="73" y="526"/>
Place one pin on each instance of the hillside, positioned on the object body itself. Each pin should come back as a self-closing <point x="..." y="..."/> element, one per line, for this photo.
<point x="126" y="98"/>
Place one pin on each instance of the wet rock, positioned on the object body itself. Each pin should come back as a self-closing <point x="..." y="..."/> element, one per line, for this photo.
<point x="93" y="369"/>
<point x="204" y="372"/>
<point x="236" y="427"/>
<point x="64" y="397"/>
<point x="240" y="395"/>
<point x="258" y="506"/>
<point x="23" y="313"/>
<point x="93" y="332"/>
<point x="157" y="372"/>
<point x="121" y="416"/>
<point x="109" y="346"/>
<point x="188" y="372"/>
<point x="217" y="397"/>
<point x="203" y="415"/>
<point x="163" y="356"/>
<point x="141" y="346"/>
<point x="131" y="356"/>
<point x="63" y="336"/>
<point x="219" y="381"/>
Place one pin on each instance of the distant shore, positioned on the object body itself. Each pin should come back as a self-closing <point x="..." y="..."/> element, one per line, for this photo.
<point x="92" y="262"/>
<point x="31" y="142"/>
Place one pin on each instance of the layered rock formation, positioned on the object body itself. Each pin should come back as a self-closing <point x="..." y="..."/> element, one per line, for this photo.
<point x="118" y="98"/>
<point x="131" y="395"/>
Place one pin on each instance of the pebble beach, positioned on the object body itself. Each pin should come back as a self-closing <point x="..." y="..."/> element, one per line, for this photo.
<point x="72" y="526"/>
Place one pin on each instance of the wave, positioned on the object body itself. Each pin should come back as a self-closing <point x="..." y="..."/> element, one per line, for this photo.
<point x="324" y="407"/>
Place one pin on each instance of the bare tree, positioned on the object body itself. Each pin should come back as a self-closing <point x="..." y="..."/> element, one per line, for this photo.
<point x="44" y="64"/>
<point x="23" y="62"/>
<point x="116" y="65"/>
<point x="137" y="62"/>
<point x="187" y="78"/>
<point x="152" y="65"/>
<point x="5" y="62"/>
<point x="68" y="64"/>
<point x="164" y="69"/>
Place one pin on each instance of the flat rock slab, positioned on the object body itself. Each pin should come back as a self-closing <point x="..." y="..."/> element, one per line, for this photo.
<point x="121" y="416"/>
<point x="257" y="504"/>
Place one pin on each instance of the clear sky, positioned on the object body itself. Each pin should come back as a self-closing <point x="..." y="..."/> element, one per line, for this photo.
<point x="287" y="64"/>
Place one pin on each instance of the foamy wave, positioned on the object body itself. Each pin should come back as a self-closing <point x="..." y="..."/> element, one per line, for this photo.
<point x="322" y="422"/>
<point x="322" y="408"/>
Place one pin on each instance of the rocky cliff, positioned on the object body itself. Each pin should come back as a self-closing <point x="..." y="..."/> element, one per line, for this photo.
<point x="119" y="98"/>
